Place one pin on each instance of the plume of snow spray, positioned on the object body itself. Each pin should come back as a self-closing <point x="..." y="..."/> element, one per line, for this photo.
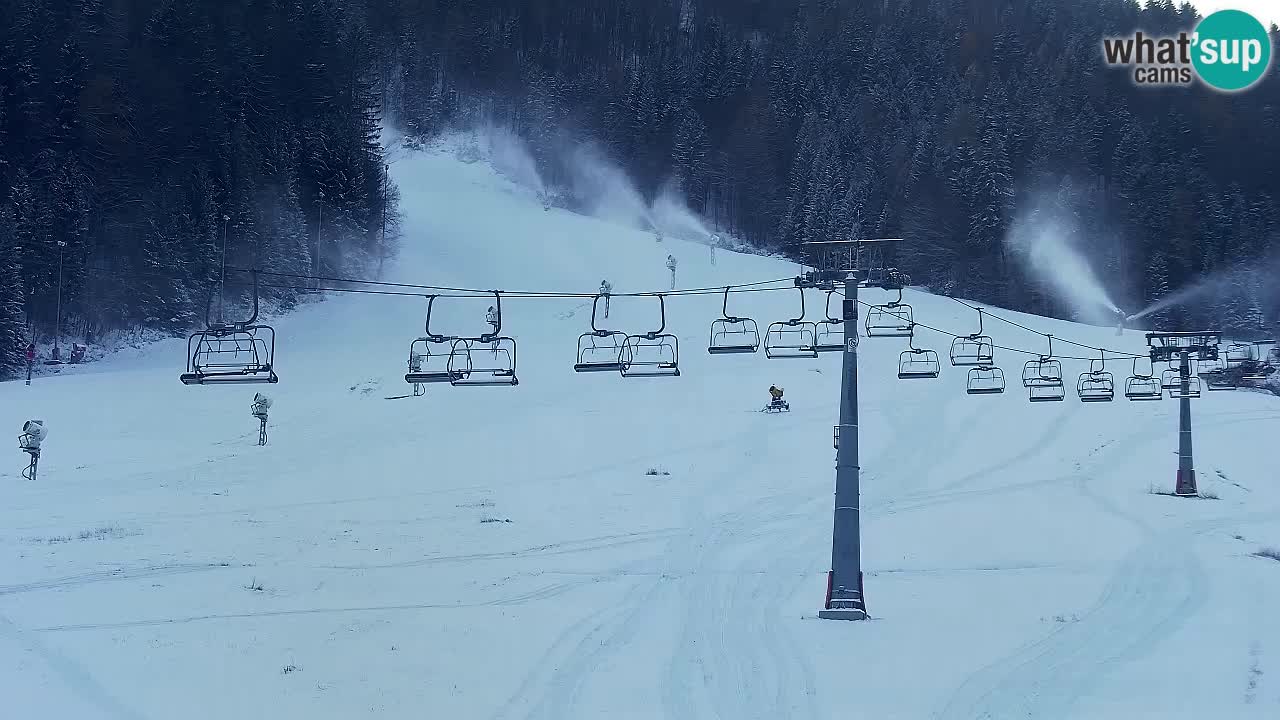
<point x="511" y="157"/>
<point x="606" y="190"/>
<point x="670" y="213"/>
<point x="1042" y="240"/>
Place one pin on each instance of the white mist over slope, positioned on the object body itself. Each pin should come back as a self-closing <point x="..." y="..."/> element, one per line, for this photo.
<point x="362" y="564"/>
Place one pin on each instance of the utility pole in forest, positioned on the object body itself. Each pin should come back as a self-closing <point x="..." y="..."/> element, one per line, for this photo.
<point x="382" y="236"/>
<point x="222" y="284"/>
<point x="57" y="321"/>
<point x="315" y="257"/>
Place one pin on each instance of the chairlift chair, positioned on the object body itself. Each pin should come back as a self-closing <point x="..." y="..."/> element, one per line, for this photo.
<point x="1255" y="370"/>
<point x="794" y="338"/>
<point x="893" y="319"/>
<point x="917" y="362"/>
<point x="1238" y="353"/>
<point x="1171" y="378"/>
<point x="1192" y="391"/>
<point x="733" y="335"/>
<point x="239" y="352"/>
<point x="975" y="349"/>
<point x="428" y="366"/>
<point x="652" y="354"/>
<point x="830" y="336"/>
<point x="1043" y="378"/>
<point x="1217" y="380"/>
<point x="1097" y="385"/>
<point x="1143" y="386"/>
<point x="486" y="360"/>
<point x="1044" y="370"/>
<point x="985" y="380"/>
<point x="599" y="350"/>
<point x="1258" y="367"/>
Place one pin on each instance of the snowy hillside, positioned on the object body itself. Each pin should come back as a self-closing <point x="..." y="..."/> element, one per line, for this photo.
<point x="502" y="553"/>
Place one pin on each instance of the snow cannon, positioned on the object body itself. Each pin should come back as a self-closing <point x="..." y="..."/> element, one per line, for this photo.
<point x="33" y="433"/>
<point x="261" y="404"/>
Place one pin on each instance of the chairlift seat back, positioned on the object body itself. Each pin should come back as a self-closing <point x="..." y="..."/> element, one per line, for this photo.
<point x="791" y="339"/>
<point x="650" y="355"/>
<point x="231" y="355"/>
<point x="483" y="362"/>
<point x="734" y="336"/>
<point x="1046" y="372"/>
<point x="830" y="337"/>
<point x="600" y="351"/>
<point x="1193" y="389"/>
<point x="918" y="364"/>
<point x="1096" y="387"/>
<point x="972" y="351"/>
<point x="889" y="321"/>
<point x="985" y="380"/>
<point x="1143" y="388"/>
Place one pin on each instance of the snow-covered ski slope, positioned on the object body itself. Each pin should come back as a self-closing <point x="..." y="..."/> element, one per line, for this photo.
<point x="164" y="566"/>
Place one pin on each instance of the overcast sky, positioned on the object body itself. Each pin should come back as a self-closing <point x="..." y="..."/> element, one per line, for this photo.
<point x="1268" y="11"/>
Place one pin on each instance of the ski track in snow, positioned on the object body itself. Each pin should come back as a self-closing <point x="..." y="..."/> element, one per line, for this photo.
<point x="1157" y="586"/>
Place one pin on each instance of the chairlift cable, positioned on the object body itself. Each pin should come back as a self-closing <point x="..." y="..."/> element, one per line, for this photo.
<point x="1037" y="332"/>
<point x="528" y="293"/>
<point x="1116" y="353"/>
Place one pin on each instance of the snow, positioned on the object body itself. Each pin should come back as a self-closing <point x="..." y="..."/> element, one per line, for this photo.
<point x="1017" y="564"/>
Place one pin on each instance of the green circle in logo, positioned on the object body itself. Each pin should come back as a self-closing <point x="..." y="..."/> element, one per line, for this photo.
<point x="1231" y="50"/>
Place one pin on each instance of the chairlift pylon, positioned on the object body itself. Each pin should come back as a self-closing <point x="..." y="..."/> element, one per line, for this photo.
<point x="914" y="362"/>
<point x="1097" y="385"/>
<point x="239" y="352"/>
<point x="985" y="380"/>
<point x="794" y="338"/>
<point x="830" y="335"/>
<point x="599" y="350"/>
<point x="893" y="319"/>
<point x="975" y="349"/>
<point x="1143" y="386"/>
<point x="732" y="334"/>
<point x="488" y="359"/>
<point x="1043" y="378"/>
<point x="652" y="354"/>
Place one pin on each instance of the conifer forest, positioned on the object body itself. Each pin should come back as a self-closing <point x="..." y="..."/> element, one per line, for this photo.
<point x="139" y="139"/>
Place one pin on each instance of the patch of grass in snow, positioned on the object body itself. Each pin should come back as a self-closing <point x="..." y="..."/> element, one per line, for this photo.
<point x="1269" y="552"/>
<point x="255" y="586"/>
<point x="290" y="668"/>
<point x="491" y="519"/>
<point x="656" y="471"/>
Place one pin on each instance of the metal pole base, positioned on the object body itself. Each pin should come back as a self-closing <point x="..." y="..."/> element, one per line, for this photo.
<point x="1186" y="483"/>
<point x="848" y="606"/>
<point x="842" y="614"/>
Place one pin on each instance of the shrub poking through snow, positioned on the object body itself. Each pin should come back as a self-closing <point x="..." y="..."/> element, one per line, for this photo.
<point x="656" y="471"/>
